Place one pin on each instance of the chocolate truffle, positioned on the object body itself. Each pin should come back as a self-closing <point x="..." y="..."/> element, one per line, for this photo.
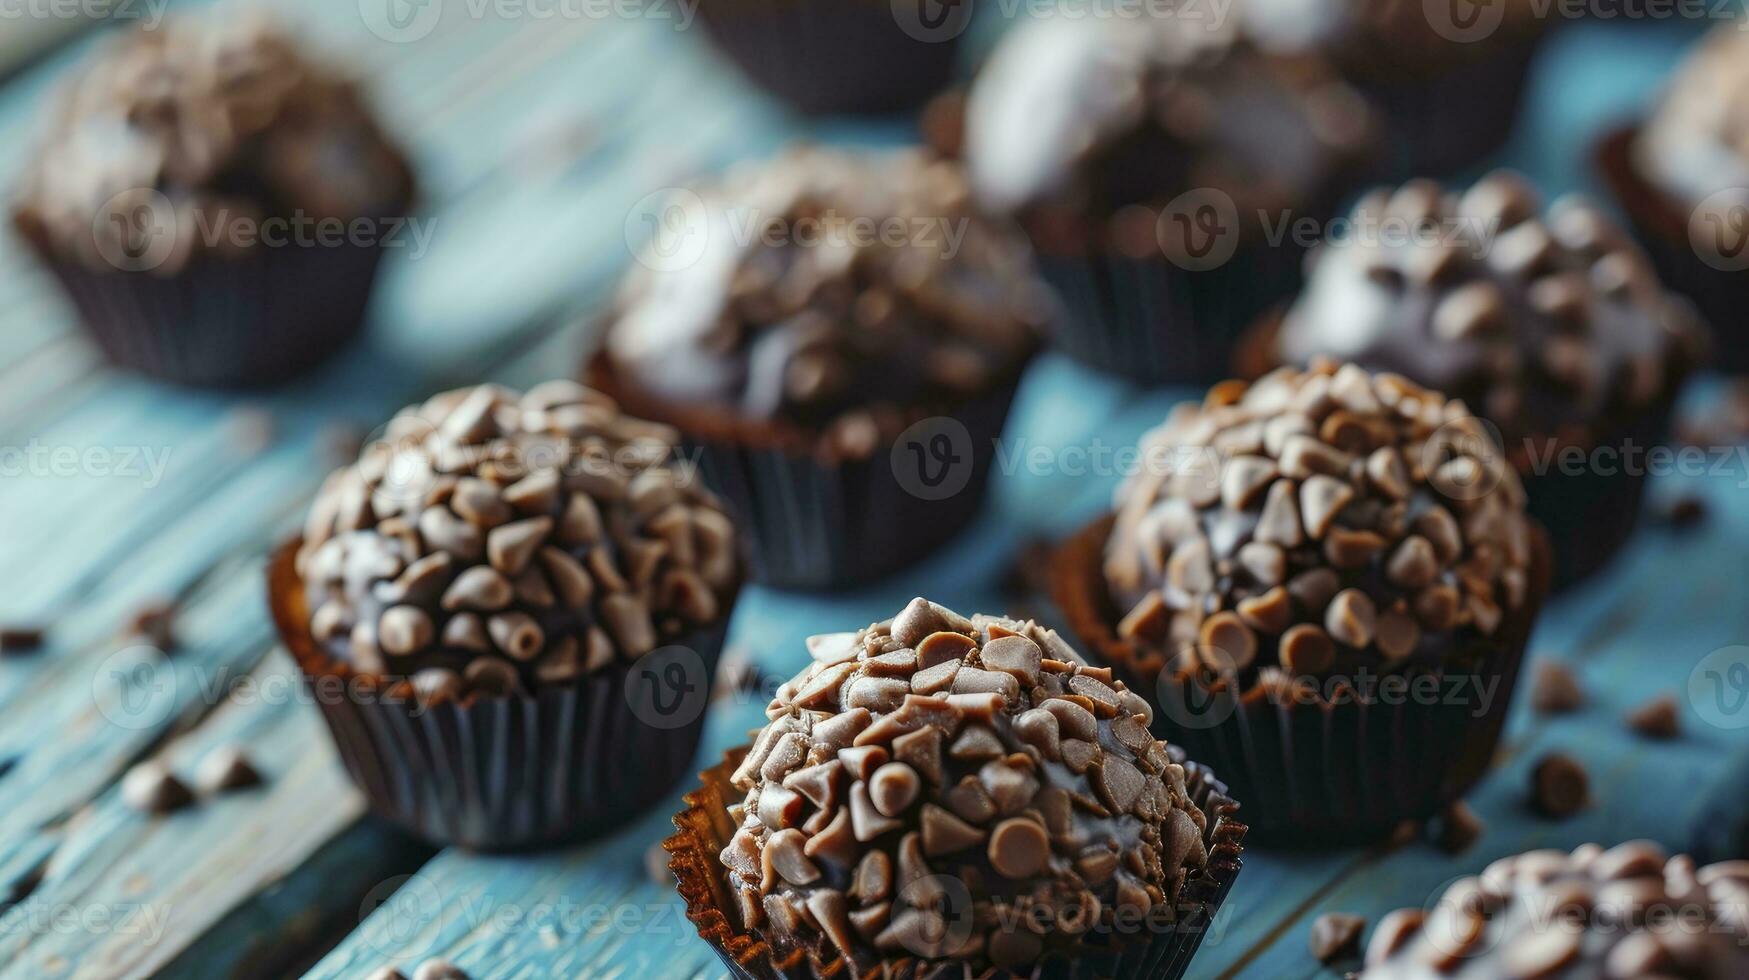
<point x="1630" y="911"/>
<point x="1317" y="520"/>
<point x="962" y="790"/>
<point x="828" y="302"/>
<point x="493" y="542"/>
<point x="183" y="155"/>
<point x="838" y="294"/>
<point x="1155" y="163"/>
<point x="1551" y="325"/>
<point x="1449" y="79"/>
<point x="1545" y="322"/>
<point x="1696" y="142"/>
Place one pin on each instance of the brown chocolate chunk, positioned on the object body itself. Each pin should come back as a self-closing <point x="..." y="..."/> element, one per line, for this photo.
<point x="1559" y="786"/>
<point x="1556" y="690"/>
<point x="1659" y="718"/>
<point x="918" y="619"/>
<point x="19" y="640"/>
<point x="1019" y="848"/>
<point x="225" y="768"/>
<point x="150" y="788"/>
<point x="1459" y="828"/>
<point x="1336" y="936"/>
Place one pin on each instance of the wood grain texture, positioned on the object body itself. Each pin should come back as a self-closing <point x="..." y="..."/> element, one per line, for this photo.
<point x="535" y="139"/>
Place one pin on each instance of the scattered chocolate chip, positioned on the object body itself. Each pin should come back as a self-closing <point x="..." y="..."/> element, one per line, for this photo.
<point x="1559" y="786"/>
<point x="225" y="768"/>
<point x="1659" y="718"/>
<point x="386" y="973"/>
<point x="1685" y="512"/>
<point x="1556" y="690"/>
<point x="151" y="788"/>
<point x="1459" y="828"/>
<point x="19" y="640"/>
<point x="439" y="969"/>
<point x="1336" y="936"/>
<point x="155" y="624"/>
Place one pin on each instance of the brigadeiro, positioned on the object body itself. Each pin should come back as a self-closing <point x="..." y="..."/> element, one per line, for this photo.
<point x="509" y="611"/>
<point x="844" y="56"/>
<point x="1449" y="79"/>
<point x="1683" y="178"/>
<point x="199" y="195"/>
<point x="1159" y="166"/>
<point x="1629" y="911"/>
<point x="1327" y="597"/>
<point x="936" y="795"/>
<point x="838" y="339"/>
<point x="1550" y="324"/>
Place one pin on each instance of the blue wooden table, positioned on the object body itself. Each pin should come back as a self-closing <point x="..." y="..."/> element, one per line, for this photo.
<point x="535" y="138"/>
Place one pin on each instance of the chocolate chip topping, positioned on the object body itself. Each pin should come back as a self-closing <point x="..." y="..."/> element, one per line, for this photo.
<point x="1365" y="534"/>
<point x="1696" y="142"/>
<point x="971" y="823"/>
<point x="226" y="118"/>
<point x="493" y="542"/>
<point x="1545" y="322"/>
<point x="1631" y="911"/>
<point x="840" y="292"/>
<point x="1116" y="117"/>
<point x="1336" y="936"/>
<point x="1559" y="786"/>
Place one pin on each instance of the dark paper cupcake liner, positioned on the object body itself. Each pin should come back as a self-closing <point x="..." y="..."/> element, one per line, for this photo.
<point x="1316" y="771"/>
<point x="1153" y="322"/>
<point x="826" y="522"/>
<point x="256" y="318"/>
<point x="1438" y="123"/>
<point x="849" y="56"/>
<point x="1589" y="515"/>
<point x="496" y="773"/>
<point x="704" y="829"/>
<point x="1661" y="224"/>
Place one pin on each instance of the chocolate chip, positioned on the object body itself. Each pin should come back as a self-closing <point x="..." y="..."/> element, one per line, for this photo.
<point x="1685" y="512"/>
<point x="1336" y="936"/>
<point x="1271" y="612"/>
<point x="868" y="822"/>
<point x="893" y="788"/>
<point x="405" y="630"/>
<point x="919" y="618"/>
<point x="517" y="635"/>
<point x="1556" y="691"/>
<point x="156" y="625"/>
<point x="1118" y="783"/>
<point x="1016" y="656"/>
<point x="1539" y="954"/>
<point x="18" y="640"/>
<point x="150" y="788"/>
<point x="1019" y="848"/>
<point x="1227" y="643"/>
<point x="945" y="833"/>
<point x="1658" y="718"/>
<point x="510" y="547"/>
<point x="1307" y="650"/>
<point x="225" y="768"/>
<point x="435" y="686"/>
<point x="1280" y="524"/>
<point x="479" y="588"/>
<point x="385" y="973"/>
<point x="1352" y="618"/>
<point x="439" y="969"/>
<point x="1459" y="828"/>
<point x="466" y="631"/>
<point x="1393" y="933"/>
<point x="627" y="618"/>
<point x="1559" y="786"/>
<point x="492" y="677"/>
<point x="1244" y="480"/>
